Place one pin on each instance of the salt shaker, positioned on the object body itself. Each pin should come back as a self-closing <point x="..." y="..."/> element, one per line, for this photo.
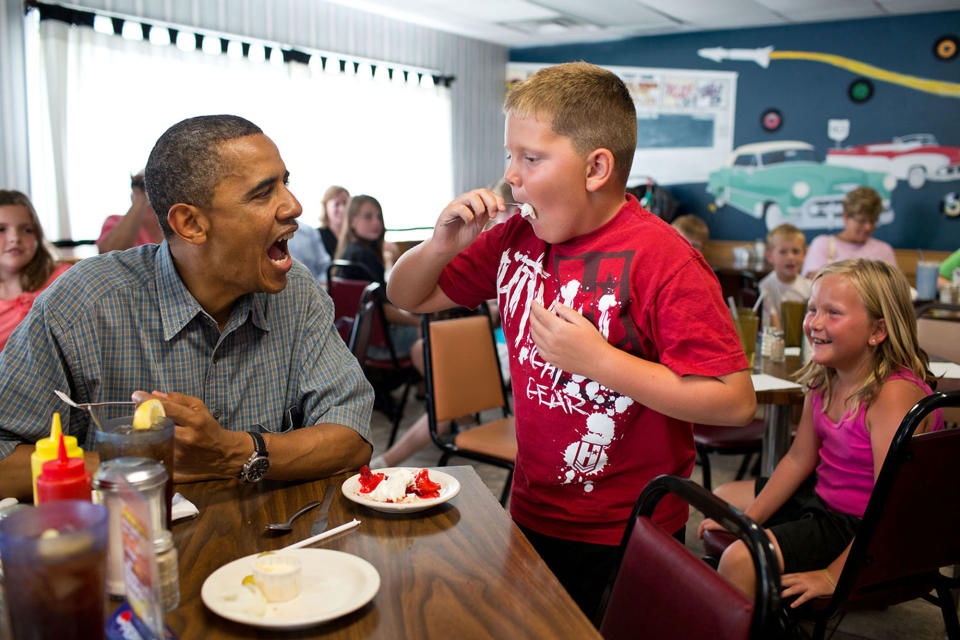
<point x="777" y="346"/>
<point x="167" y="570"/>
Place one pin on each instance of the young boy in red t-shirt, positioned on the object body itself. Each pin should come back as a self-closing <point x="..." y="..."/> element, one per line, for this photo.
<point x="617" y="332"/>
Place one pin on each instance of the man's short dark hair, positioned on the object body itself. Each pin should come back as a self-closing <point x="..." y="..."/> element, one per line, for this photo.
<point x="185" y="164"/>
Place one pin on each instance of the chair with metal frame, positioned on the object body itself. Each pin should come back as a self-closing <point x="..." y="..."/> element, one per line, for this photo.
<point x="463" y="378"/>
<point x="361" y="327"/>
<point x="910" y="529"/>
<point x="661" y="590"/>
<point x="744" y="441"/>
<point x="387" y="374"/>
<point x="908" y="532"/>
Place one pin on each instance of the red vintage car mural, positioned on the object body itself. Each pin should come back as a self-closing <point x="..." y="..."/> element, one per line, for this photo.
<point x="916" y="158"/>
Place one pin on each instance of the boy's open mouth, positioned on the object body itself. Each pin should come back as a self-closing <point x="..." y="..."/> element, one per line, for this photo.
<point x="278" y="250"/>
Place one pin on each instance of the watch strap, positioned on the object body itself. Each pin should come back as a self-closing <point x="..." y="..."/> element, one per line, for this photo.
<point x="259" y="444"/>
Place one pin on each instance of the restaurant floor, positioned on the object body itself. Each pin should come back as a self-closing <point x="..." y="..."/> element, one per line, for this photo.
<point x="916" y="620"/>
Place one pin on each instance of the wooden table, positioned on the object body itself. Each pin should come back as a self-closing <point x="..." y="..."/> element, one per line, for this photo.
<point x="460" y="570"/>
<point x="780" y="403"/>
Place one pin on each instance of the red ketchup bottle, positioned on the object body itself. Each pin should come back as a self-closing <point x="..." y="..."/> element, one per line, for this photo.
<point x="63" y="479"/>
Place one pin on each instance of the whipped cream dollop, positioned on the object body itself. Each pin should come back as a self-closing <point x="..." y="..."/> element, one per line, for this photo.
<point x="393" y="488"/>
<point x="527" y="211"/>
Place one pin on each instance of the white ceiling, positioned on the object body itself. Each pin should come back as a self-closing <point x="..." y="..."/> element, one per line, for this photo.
<point x="520" y="23"/>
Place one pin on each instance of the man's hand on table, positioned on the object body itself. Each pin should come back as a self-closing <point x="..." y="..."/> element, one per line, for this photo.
<point x="203" y="450"/>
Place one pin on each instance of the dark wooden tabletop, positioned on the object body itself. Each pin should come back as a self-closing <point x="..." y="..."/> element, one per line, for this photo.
<point x="460" y="570"/>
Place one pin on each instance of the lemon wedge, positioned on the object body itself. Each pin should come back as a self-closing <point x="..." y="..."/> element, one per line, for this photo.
<point x="247" y="580"/>
<point x="148" y="413"/>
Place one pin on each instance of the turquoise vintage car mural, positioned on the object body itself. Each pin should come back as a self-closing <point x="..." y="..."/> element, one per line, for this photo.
<point x="782" y="181"/>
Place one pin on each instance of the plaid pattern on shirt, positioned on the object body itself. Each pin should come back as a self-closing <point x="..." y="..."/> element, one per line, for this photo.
<point x="124" y="321"/>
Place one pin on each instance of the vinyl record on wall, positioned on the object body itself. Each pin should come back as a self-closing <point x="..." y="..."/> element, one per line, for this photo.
<point x="945" y="48"/>
<point x="860" y="90"/>
<point x="771" y="120"/>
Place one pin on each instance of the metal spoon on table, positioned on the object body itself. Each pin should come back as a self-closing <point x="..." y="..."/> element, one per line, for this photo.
<point x="288" y="525"/>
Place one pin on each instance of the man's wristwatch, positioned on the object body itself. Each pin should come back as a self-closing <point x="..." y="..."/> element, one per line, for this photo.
<point x="258" y="463"/>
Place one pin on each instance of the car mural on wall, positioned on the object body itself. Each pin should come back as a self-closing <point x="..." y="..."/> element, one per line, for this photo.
<point x="782" y="181"/>
<point x="915" y="158"/>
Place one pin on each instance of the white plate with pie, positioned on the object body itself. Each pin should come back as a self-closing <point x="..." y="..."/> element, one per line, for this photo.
<point x="449" y="488"/>
<point x="333" y="584"/>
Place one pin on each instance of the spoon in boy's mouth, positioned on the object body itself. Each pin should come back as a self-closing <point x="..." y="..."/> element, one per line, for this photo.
<point x="526" y="211"/>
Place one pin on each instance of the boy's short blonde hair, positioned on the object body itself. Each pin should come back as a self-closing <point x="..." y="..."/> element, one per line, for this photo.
<point x="785" y="231"/>
<point x="690" y="226"/>
<point x="863" y="201"/>
<point x="585" y="103"/>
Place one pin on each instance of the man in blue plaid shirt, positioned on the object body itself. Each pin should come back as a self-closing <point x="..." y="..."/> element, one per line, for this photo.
<point x="218" y="322"/>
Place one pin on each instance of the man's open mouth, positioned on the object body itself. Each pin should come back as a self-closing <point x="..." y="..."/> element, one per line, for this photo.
<point x="278" y="250"/>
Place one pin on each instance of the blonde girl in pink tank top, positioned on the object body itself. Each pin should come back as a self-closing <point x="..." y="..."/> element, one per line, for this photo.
<point x="866" y="371"/>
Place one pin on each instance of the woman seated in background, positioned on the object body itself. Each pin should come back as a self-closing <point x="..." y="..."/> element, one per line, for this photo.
<point x="27" y="265"/>
<point x="861" y="210"/>
<point x="334" y="206"/>
<point x="362" y="242"/>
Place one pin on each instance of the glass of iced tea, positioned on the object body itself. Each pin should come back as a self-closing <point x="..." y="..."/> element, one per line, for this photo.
<point x="55" y="555"/>
<point x="118" y="439"/>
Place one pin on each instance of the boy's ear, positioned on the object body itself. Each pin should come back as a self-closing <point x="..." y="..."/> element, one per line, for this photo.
<point x="188" y="222"/>
<point x="599" y="168"/>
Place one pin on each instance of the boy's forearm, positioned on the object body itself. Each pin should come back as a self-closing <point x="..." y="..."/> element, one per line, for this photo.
<point x="729" y="400"/>
<point x="413" y="281"/>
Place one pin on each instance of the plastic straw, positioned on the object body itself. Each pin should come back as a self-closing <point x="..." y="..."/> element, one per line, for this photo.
<point x="733" y="307"/>
<point x="756" y="305"/>
<point x="320" y="536"/>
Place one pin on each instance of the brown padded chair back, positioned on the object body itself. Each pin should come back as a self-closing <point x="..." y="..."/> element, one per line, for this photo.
<point x="466" y="375"/>
<point x="663" y="591"/>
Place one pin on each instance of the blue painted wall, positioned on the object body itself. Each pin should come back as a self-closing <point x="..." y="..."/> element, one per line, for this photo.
<point x="809" y="93"/>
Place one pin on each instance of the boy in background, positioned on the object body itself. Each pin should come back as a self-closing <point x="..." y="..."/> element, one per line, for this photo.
<point x="786" y="246"/>
<point x="693" y="229"/>
<point x="618" y="335"/>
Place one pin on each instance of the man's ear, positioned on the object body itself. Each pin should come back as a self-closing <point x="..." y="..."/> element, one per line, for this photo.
<point x="188" y="222"/>
<point x="599" y="168"/>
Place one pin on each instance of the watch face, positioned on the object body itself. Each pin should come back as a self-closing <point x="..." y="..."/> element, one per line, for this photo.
<point x="256" y="469"/>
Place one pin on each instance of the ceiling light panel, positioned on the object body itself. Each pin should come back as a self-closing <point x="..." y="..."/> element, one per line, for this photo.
<point x="708" y="14"/>
<point x="609" y="13"/>
<point x="496" y="10"/>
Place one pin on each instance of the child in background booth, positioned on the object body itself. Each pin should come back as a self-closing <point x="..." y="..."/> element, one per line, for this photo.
<point x="362" y="242"/>
<point x="866" y="371"/>
<point x="861" y="210"/>
<point x="27" y="265"/>
<point x="695" y="230"/>
<point x="786" y="246"/>
<point x="614" y="322"/>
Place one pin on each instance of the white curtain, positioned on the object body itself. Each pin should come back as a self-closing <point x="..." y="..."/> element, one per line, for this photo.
<point x="98" y="102"/>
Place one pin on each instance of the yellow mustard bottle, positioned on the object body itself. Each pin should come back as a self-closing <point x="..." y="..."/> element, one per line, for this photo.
<point x="46" y="449"/>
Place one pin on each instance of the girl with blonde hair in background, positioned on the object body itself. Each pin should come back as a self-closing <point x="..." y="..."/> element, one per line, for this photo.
<point x="866" y="372"/>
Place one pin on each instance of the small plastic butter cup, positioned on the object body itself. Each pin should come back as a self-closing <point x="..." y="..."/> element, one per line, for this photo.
<point x="278" y="577"/>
